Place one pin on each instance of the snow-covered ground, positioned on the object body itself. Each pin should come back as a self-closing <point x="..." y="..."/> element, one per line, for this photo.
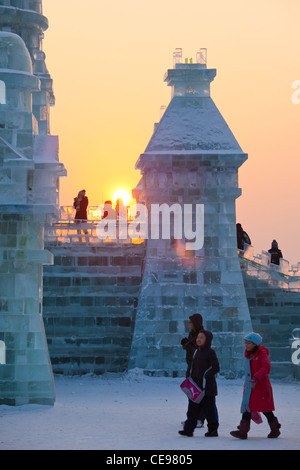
<point x="135" y="412"/>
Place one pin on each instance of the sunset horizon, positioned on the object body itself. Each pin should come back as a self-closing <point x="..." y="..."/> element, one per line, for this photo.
<point x="150" y="270"/>
<point x="108" y="83"/>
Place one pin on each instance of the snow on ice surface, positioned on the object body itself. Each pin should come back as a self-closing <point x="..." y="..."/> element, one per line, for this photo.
<point x="135" y="412"/>
<point x="191" y="123"/>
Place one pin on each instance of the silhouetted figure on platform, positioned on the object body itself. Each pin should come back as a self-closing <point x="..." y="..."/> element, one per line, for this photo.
<point x="80" y="204"/>
<point x="108" y="211"/>
<point x="242" y="237"/>
<point x="276" y="254"/>
<point x="121" y="209"/>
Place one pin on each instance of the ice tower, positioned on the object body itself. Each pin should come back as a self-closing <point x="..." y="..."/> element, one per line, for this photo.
<point x="192" y="158"/>
<point x="29" y="186"/>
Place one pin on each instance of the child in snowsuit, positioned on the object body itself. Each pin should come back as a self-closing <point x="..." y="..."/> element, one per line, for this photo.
<point x="204" y="367"/>
<point x="258" y="394"/>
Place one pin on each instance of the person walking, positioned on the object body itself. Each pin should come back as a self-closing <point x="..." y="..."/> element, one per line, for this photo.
<point x="258" y="394"/>
<point x="189" y="345"/>
<point x="204" y="367"/>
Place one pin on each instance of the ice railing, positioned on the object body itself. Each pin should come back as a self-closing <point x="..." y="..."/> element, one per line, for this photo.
<point x="259" y="265"/>
<point x="68" y="231"/>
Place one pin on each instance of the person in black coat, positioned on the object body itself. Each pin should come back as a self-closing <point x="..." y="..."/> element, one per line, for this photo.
<point x="276" y="254"/>
<point x="242" y="237"/>
<point x="189" y="345"/>
<point x="204" y="368"/>
<point x="80" y="204"/>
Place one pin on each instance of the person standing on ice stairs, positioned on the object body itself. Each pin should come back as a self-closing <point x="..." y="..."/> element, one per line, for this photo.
<point x="204" y="367"/>
<point x="258" y="394"/>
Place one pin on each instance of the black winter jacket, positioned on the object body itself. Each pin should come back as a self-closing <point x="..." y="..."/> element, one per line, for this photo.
<point x="189" y="343"/>
<point x="205" y="358"/>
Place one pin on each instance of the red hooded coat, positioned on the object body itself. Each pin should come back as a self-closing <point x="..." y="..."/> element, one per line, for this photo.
<point x="261" y="397"/>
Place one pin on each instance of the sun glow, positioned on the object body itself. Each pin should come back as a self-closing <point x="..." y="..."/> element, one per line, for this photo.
<point x="122" y="194"/>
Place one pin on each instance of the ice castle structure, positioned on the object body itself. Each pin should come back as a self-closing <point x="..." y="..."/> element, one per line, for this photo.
<point x="29" y="190"/>
<point x="192" y="159"/>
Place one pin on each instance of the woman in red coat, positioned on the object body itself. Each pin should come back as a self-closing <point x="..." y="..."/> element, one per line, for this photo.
<point x="258" y="395"/>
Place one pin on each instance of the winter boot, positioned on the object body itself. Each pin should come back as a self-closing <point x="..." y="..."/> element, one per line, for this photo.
<point x="213" y="433"/>
<point x="243" y="429"/>
<point x="185" y="433"/>
<point x="274" y="426"/>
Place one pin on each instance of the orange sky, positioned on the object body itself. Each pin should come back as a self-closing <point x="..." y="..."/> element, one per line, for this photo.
<point x="107" y="60"/>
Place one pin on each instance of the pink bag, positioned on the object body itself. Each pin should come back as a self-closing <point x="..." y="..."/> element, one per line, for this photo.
<point x="192" y="390"/>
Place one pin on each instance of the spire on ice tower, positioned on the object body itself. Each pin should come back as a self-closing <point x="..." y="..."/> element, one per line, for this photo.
<point x="25" y="18"/>
<point x="192" y="122"/>
<point x="192" y="159"/>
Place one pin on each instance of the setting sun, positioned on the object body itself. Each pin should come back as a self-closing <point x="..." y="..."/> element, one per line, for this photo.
<point x="122" y="194"/>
